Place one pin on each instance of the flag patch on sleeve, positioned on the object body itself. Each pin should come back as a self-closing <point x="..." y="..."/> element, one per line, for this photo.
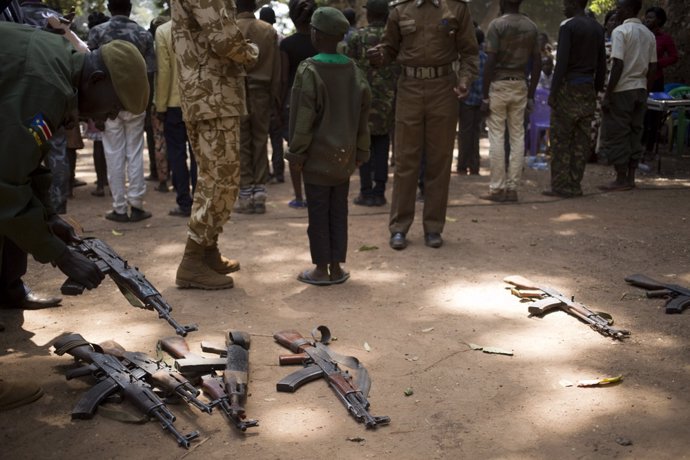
<point x="40" y="130"/>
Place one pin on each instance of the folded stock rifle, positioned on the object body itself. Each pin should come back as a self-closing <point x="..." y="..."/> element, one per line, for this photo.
<point x="320" y="361"/>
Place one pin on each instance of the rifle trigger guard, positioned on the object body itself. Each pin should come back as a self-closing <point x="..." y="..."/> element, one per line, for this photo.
<point x="321" y="334"/>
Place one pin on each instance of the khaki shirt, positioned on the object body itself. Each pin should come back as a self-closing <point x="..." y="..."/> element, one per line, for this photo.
<point x="421" y="33"/>
<point x="211" y="53"/>
<point x="167" y="88"/>
<point x="267" y="68"/>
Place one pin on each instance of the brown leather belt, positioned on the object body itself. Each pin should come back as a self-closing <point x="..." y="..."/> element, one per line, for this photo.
<point x="427" y="73"/>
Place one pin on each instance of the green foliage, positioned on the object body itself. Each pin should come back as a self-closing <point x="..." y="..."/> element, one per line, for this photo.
<point x="602" y="6"/>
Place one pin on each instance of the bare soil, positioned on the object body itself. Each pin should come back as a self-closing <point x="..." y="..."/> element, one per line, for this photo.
<point x="409" y="316"/>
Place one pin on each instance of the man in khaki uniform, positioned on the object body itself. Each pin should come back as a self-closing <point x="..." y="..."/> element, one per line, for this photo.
<point x="211" y="53"/>
<point x="425" y="37"/>
<point x="263" y="89"/>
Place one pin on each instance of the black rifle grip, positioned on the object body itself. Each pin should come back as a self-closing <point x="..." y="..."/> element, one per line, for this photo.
<point x="71" y="287"/>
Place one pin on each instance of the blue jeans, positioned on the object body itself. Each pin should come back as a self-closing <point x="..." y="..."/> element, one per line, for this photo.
<point x="176" y="143"/>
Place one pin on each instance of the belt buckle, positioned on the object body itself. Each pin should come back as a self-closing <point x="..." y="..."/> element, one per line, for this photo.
<point x="424" y="73"/>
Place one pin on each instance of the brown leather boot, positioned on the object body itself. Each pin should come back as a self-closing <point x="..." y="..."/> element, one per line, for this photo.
<point x="16" y="394"/>
<point x="217" y="262"/>
<point x="194" y="273"/>
<point x="621" y="183"/>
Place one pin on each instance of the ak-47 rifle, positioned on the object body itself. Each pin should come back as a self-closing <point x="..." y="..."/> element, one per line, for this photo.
<point x="319" y="362"/>
<point x="552" y="299"/>
<point x="678" y="296"/>
<point x="229" y="393"/>
<point x="132" y="283"/>
<point x="115" y="377"/>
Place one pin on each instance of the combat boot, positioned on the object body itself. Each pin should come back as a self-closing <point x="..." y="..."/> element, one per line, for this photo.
<point x="621" y="183"/>
<point x="194" y="273"/>
<point x="631" y="173"/>
<point x="259" y="199"/>
<point x="216" y="262"/>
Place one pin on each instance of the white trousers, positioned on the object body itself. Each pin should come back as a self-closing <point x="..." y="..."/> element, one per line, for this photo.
<point x="123" y="143"/>
<point x="508" y="100"/>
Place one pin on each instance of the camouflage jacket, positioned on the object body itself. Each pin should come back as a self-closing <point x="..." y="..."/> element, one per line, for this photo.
<point x="123" y="28"/>
<point x="211" y="53"/>
<point x="382" y="80"/>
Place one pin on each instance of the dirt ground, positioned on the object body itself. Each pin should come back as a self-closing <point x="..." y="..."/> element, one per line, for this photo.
<point x="408" y="316"/>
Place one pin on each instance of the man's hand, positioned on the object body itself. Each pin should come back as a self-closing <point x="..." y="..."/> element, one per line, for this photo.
<point x="462" y="91"/>
<point x="552" y="100"/>
<point x="375" y="56"/>
<point x="485" y="108"/>
<point x="530" y="106"/>
<point x="297" y="167"/>
<point x="161" y="116"/>
<point x="63" y="230"/>
<point x="606" y="104"/>
<point x="79" y="269"/>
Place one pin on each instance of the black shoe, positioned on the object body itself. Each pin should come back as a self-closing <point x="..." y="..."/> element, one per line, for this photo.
<point x="179" y="212"/>
<point x="138" y="215"/>
<point x="98" y="192"/>
<point x="162" y="187"/>
<point x="117" y="217"/>
<point x="556" y="193"/>
<point x="398" y="241"/>
<point x="152" y="177"/>
<point x="433" y="240"/>
<point x="364" y="200"/>
<point x="32" y="301"/>
<point x="378" y="200"/>
<point x="78" y="183"/>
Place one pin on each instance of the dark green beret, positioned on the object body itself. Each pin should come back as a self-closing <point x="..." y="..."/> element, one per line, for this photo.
<point x="127" y="71"/>
<point x="377" y="6"/>
<point x="330" y="21"/>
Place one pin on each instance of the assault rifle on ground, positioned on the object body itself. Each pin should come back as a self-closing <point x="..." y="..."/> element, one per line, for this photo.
<point x="552" y="299"/>
<point x="320" y="362"/>
<point x="678" y="296"/>
<point x="132" y="283"/>
<point x="115" y="377"/>
<point x="229" y="393"/>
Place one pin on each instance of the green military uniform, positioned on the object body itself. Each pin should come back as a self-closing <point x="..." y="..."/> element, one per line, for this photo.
<point x="211" y="53"/>
<point x="426" y="37"/>
<point x="263" y="92"/>
<point x="40" y="71"/>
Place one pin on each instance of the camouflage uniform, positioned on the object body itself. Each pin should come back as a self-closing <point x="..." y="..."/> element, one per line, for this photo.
<point x="570" y="142"/>
<point x="210" y="53"/>
<point x="382" y="81"/>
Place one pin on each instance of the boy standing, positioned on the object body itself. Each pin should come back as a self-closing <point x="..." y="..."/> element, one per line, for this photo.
<point x="329" y="138"/>
<point x="511" y="41"/>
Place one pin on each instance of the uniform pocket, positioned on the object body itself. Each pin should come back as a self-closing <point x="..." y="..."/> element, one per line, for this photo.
<point x="408" y="26"/>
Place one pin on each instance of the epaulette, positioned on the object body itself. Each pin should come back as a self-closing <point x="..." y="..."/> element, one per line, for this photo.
<point x="395" y="3"/>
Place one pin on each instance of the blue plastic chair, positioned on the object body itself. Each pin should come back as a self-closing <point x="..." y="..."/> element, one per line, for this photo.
<point x="680" y="92"/>
<point x="539" y="119"/>
<point x="669" y="86"/>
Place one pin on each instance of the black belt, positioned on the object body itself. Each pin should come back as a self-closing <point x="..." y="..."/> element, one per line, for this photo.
<point x="511" y="79"/>
<point x="427" y="73"/>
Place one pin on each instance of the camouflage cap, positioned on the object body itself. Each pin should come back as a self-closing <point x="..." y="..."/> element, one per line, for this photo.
<point x="377" y="6"/>
<point x="127" y="71"/>
<point x="330" y="21"/>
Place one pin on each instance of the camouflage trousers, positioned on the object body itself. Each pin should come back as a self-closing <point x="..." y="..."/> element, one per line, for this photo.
<point x="571" y="122"/>
<point x="216" y="145"/>
<point x="58" y="163"/>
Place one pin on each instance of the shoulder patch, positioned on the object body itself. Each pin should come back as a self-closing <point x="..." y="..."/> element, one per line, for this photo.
<point x="395" y="3"/>
<point x="38" y="127"/>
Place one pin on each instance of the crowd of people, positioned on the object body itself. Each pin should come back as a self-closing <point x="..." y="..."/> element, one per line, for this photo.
<point x="209" y="90"/>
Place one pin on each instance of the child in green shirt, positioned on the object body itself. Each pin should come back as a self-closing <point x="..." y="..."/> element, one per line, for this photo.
<point x="329" y="138"/>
